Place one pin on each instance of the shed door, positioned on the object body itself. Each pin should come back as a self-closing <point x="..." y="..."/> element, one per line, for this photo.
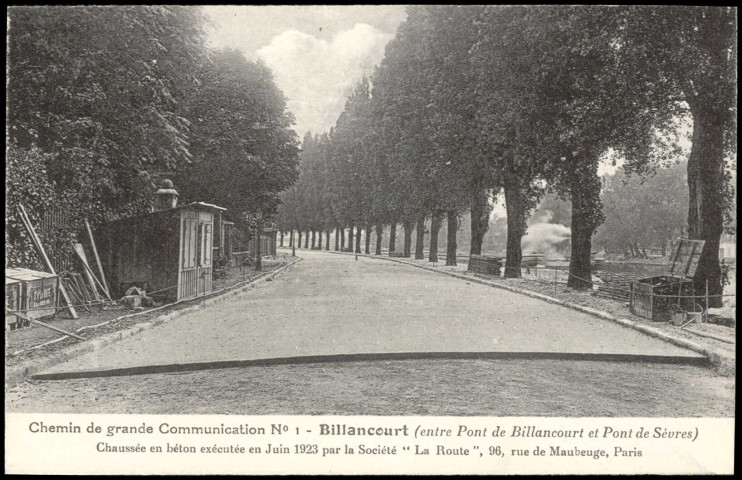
<point x="189" y="268"/>
<point x="205" y="252"/>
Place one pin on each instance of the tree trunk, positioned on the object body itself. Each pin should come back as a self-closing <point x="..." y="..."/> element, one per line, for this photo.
<point x="342" y="238"/>
<point x="480" y="215"/>
<point x="379" y="238"/>
<point x="435" y="228"/>
<point x="706" y="185"/>
<point x="282" y="238"/>
<point x="337" y="238"/>
<point x="515" y="206"/>
<point x="327" y="243"/>
<point x="298" y="234"/>
<point x="586" y="217"/>
<point x="319" y="239"/>
<point x="350" y="237"/>
<point x="314" y="238"/>
<point x="452" y="226"/>
<point x="407" y="238"/>
<point x="358" y="240"/>
<point x="367" y="250"/>
<point x="291" y="238"/>
<point x="420" y="240"/>
<point x="306" y="239"/>
<point x="392" y="237"/>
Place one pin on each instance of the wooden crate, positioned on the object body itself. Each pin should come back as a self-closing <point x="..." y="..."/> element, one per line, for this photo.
<point x="39" y="291"/>
<point x="12" y="301"/>
<point x="657" y="298"/>
<point x="484" y="264"/>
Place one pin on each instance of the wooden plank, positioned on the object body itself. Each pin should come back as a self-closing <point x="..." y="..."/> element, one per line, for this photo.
<point x="81" y="253"/>
<point x="97" y="259"/>
<point x="86" y="296"/>
<point x="42" y="324"/>
<point x="685" y="257"/>
<point x="690" y="260"/>
<point x="76" y="295"/>
<point x="42" y="252"/>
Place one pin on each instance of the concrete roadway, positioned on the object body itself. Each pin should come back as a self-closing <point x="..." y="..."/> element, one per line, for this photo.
<point x="336" y="305"/>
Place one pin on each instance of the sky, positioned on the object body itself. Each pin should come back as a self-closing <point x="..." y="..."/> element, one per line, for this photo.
<point x="317" y="53"/>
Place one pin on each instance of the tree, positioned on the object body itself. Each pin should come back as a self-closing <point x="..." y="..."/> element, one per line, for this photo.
<point x="507" y="61"/>
<point x="689" y="60"/>
<point x="452" y="113"/>
<point x="566" y="101"/>
<point x="97" y="96"/>
<point x="591" y="107"/>
<point x="244" y="151"/>
<point x="109" y="110"/>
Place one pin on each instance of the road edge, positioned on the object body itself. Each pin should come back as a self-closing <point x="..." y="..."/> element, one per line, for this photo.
<point x="16" y="374"/>
<point x="721" y="361"/>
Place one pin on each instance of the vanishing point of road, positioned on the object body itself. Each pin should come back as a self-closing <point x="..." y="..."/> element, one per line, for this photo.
<point x="383" y="339"/>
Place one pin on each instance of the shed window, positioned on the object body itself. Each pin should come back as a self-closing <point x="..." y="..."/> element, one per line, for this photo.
<point x="207" y="244"/>
<point x="189" y="243"/>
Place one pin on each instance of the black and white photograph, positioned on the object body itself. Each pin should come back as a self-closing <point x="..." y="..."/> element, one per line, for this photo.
<point x="370" y="239"/>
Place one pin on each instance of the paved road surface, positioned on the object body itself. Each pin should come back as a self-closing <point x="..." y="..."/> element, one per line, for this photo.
<point x="331" y="304"/>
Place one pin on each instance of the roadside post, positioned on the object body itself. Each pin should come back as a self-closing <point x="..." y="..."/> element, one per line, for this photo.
<point x="258" y="238"/>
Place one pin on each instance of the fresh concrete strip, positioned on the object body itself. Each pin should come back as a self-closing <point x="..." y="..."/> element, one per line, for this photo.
<point x="370" y="357"/>
<point x="725" y="363"/>
<point x="18" y="373"/>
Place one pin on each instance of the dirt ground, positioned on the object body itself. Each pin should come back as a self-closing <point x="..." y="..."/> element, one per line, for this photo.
<point x="414" y="387"/>
<point x="21" y="343"/>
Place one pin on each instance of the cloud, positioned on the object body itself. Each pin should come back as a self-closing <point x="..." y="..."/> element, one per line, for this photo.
<point x="317" y="75"/>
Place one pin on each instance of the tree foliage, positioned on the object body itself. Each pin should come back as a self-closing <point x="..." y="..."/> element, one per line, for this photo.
<point x="532" y="99"/>
<point x="644" y="212"/>
<point x="103" y="100"/>
<point x="244" y="151"/>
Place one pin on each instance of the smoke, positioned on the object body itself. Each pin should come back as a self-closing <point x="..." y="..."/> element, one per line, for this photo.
<point x="545" y="237"/>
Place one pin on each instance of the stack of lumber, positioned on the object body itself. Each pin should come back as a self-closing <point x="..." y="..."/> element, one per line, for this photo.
<point x="615" y="286"/>
<point x="484" y="265"/>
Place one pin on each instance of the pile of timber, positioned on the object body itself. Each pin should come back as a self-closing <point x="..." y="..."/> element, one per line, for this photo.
<point x="616" y="286"/>
<point x="484" y="265"/>
<point x="75" y="289"/>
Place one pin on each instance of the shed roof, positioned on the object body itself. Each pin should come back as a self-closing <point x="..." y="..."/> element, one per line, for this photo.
<point x="202" y="206"/>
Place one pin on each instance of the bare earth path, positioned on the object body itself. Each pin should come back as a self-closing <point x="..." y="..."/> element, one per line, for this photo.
<point x="332" y="304"/>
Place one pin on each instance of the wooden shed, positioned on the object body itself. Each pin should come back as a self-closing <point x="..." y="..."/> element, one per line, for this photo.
<point x="168" y="253"/>
<point x="267" y="243"/>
